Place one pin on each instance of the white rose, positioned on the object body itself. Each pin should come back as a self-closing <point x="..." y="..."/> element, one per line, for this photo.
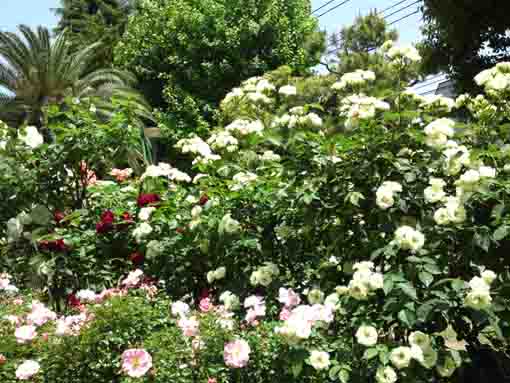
<point x="401" y="357"/>
<point x="386" y="375"/>
<point x="489" y="276"/>
<point x="367" y="336"/>
<point x="315" y="296"/>
<point x="288" y="90"/>
<point x="220" y="273"/>
<point x="319" y="359"/>
<point x="31" y="137"/>
<point x="145" y="213"/>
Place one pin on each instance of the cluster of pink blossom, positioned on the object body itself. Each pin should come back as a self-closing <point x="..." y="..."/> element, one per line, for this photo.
<point x="121" y="174"/>
<point x="256" y="308"/>
<point x="289" y="298"/>
<point x="71" y="325"/>
<point x="5" y="284"/>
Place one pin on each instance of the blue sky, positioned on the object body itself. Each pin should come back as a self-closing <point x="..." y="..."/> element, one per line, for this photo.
<point x="38" y="12"/>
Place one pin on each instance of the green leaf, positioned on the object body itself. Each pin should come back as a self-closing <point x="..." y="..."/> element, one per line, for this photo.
<point x="333" y="372"/>
<point x="482" y="241"/>
<point x="344" y="376"/>
<point x="296" y="369"/>
<point x="370" y="353"/>
<point x="409" y="290"/>
<point x="500" y="233"/>
<point x="388" y="285"/>
<point x="426" y="278"/>
<point x="407" y="317"/>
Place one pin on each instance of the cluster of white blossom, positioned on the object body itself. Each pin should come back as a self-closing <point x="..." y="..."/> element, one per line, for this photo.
<point x="408" y="238"/>
<point x="264" y="275"/>
<point x="223" y="140"/>
<point x="288" y="90"/>
<point x="495" y="79"/>
<point x="438" y="132"/>
<point x="301" y="320"/>
<point x="256" y="309"/>
<point x="434" y="102"/>
<point x="297" y="117"/>
<point x="269" y="156"/>
<point x="400" y="54"/>
<point x="479" y="296"/>
<point x="360" y="107"/>
<point x="357" y="78"/>
<point x="245" y="127"/>
<point x="229" y="300"/>
<point x="385" y="194"/>
<point x="365" y="281"/>
<point x="195" y="145"/>
<point x="216" y="275"/>
<point x="142" y="231"/>
<point x="31" y="137"/>
<point x="255" y="89"/>
<point x="435" y="192"/>
<point x="242" y="179"/>
<point x="6" y="285"/>
<point x="165" y="170"/>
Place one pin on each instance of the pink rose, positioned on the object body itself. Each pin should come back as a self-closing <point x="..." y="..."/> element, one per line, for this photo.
<point x="17" y="301"/>
<point x="25" y="334"/>
<point x="121" y="174"/>
<point x="211" y="380"/>
<point x="189" y="326"/>
<point x="284" y="314"/>
<point x="237" y="353"/>
<point x="27" y="369"/>
<point x="288" y="297"/>
<point x="136" y="362"/>
<point x="205" y="305"/>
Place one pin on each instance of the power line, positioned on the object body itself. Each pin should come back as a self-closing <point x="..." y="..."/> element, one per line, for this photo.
<point x="393" y="22"/>
<point x="391" y="7"/>
<point x="333" y="8"/>
<point x="405" y="17"/>
<point x="324" y="5"/>
<point x="401" y="9"/>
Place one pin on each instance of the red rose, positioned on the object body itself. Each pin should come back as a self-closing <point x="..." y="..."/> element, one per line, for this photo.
<point x="107" y="217"/>
<point x="103" y="227"/>
<point x="137" y="258"/>
<point x="58" y="216"/>
<point x="146" y="199"/>
<point x="180" y="230"/>
<point x="126" y="217"/>
<point x="59" y="245"/>
<point x="203" y="200"/>
<point x="73" y="301"/>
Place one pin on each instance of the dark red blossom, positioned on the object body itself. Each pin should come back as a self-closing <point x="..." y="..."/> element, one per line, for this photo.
<point x="203" y="200"/>
<point x="137" y="258"/>
<point x="58" y="216"/>
<point x="73" y="301"/>
<point x="146" y="199"/>
<point x="56" y="245"/>
<point x="179" y="230"/>
<point x="107" y="216"/>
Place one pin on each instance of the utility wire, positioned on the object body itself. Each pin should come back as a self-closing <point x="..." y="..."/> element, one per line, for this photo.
<point x="324" y="5"/>
<point x="333" y="8"/>
<point x="391" y="7"/>
<point x="401" y="9"/>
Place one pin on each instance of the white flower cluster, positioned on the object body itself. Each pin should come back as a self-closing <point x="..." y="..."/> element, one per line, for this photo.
<point x="256" y="308"/>
<point x="165" y="170"/>
<point x="495" y="79"/>
<point x="71" y="325"/>
<point x="288" y="90"/>
<point x="87" y="295"/>
<point x="270" y="156"/>
<point x="31" y="137"/>
<point x="479" y="296"/>
<point x="297" y="117"/>
<point x="229" y="300"/>
<point x="438" y="132"/>
<point x="142" y="231"/>
<point x="254" y="89"/>
<point x="216" y="275"/>
<point x="435" y="192"/>
<point x="245" y="127"/>
<point x="223" y="140"/>
<point x="455" y="156"/>
<point x="434" y="102"/>
<point x="408" y="238"/>
<point x="146" y="212"/>
<point x="195" y="145"/>
<point x="319" y="359"/>
<point x="242" y="179"/>
<point x="356" y="78"/>
<point x="365" y="281"/>
<point x="3" y="135"/>
<point x="302" y="319"/>
<point x="400" y="54"/>
<point x="360" y="107"/>
<point x="264" y="275"/>
<point x="385" y="194"/>
<point x="6" y="285"/>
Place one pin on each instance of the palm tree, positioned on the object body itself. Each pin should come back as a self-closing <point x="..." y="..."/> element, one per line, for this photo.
<point x="37" y="71"/>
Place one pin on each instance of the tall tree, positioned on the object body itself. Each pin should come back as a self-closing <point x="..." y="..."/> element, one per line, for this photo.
<point x="36" y="71"/>
<point x="91" y="21"/>
<point x="464" y="37"/>
<point x="194" y="51"/>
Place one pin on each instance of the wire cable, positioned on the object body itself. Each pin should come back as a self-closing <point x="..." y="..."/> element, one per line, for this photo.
<point x="333" y="8"/>
<point x="401" y="9"/>
<point x="324" y="5"/>
<point x="391" y="7"/>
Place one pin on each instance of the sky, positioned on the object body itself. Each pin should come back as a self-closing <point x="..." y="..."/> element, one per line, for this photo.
<point x="38" y="12"/>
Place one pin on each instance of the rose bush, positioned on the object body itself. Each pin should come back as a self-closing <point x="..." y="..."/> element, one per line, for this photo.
<point x="328" y="230"/>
